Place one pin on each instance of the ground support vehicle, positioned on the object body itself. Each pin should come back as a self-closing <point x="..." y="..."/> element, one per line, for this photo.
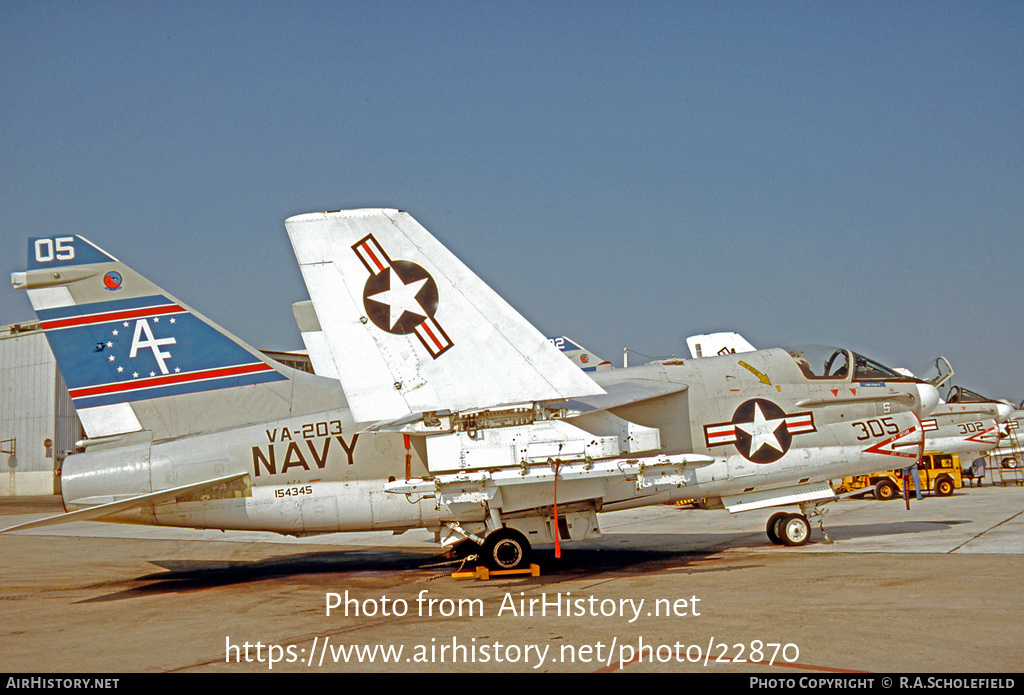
<point x="939" y="473"/>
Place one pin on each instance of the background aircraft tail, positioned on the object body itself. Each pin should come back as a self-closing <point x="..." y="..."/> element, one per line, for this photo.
<point x="715" y="344"/>
<point x="579" y="355"/>
<point x="134" y="357"/>
<point x="412" y="329"/>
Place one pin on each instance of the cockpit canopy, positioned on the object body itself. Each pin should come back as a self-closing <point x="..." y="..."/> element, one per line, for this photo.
<point x="959" y="394"/>
<point x="824" y="362"/>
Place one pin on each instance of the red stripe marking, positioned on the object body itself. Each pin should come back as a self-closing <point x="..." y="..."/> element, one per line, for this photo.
<point x="373" y="257"/>
<point x="168" y="380"/>
<point x="108" y="317"/>
<point x="983" y="437"/>
<point x="878" y="448"/>
<point x="431" y="335"/>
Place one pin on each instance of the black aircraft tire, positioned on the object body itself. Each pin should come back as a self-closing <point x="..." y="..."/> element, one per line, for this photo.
<point x="506" y="549"/>
<point x="772" y="527"/>
<point x="794" y="530"/>
<point x="465" y="548"/>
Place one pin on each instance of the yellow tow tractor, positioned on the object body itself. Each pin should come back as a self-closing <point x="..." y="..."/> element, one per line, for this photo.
<point x="939" y="473"/>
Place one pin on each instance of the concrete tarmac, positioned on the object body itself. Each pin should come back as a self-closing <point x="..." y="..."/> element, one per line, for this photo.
<point x="936" y="589"/>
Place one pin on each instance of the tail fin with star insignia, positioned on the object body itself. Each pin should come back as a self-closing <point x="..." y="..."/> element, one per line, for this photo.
<point x="412" y="329"/>
<point x="134" y="357"/>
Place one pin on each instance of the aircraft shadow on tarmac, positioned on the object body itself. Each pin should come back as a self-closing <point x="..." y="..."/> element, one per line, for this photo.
<point x="184" y="575"/>
<point x="894" y="528"/>
<point x="615" y="555"/>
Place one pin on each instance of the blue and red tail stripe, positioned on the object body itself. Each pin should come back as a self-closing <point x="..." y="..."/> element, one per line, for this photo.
<point x="110" y="316"/>
<point x="169" y="380"/>
<point x="145" y="347"/>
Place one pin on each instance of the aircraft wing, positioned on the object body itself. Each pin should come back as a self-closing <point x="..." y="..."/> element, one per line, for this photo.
<point x="411" y="329"/>
<point x="623" y="393"/>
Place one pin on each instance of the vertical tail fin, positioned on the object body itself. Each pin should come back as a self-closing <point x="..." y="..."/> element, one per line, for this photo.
<point x="579" y="355"/>
<point x="412" y="329"/>
<point x="712" y="344"/>
<point x="134" y="357"/>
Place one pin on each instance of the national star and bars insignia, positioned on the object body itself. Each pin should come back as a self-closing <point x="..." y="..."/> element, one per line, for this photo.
<point x="760" y="429"/>
<point x="400" y="297"/>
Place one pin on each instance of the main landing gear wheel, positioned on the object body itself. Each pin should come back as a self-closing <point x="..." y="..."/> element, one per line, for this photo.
<point x="506" y="549"/>
<point x="794" y="530"/>
<point x="772" y="527"/>
<point x="788" y="529"/>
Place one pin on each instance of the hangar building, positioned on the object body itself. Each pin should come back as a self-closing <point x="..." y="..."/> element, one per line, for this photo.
<point x="38" y="423"/>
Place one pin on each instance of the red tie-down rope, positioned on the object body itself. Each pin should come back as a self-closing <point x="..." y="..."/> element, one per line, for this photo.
<point x="558" y="545"/>
<point x="408" y="456"/>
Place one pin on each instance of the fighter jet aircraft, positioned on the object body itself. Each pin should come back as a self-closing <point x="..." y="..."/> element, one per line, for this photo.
<point x="441" y="407"/>
<point x="964" y="423"/>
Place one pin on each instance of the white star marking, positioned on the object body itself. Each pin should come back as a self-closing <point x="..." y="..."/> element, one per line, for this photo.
<point x="761" y="431"/>
<point x="400" y="298"/>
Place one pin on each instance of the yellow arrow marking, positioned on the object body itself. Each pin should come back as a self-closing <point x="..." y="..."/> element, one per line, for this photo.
<point x="761" y="377"/>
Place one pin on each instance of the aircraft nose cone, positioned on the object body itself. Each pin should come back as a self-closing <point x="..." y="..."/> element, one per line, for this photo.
<point x="928" y="397"/>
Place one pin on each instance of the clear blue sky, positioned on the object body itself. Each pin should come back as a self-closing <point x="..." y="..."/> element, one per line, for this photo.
<point x="625" y="173"/>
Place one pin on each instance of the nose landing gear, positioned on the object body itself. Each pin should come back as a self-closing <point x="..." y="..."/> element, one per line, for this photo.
<point x="785" y="528"/>
<point x="788" y="528"/>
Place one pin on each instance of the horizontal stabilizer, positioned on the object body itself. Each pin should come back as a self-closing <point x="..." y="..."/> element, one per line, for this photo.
<point x="102" y="511"/>
<point x="412" y="329"/>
